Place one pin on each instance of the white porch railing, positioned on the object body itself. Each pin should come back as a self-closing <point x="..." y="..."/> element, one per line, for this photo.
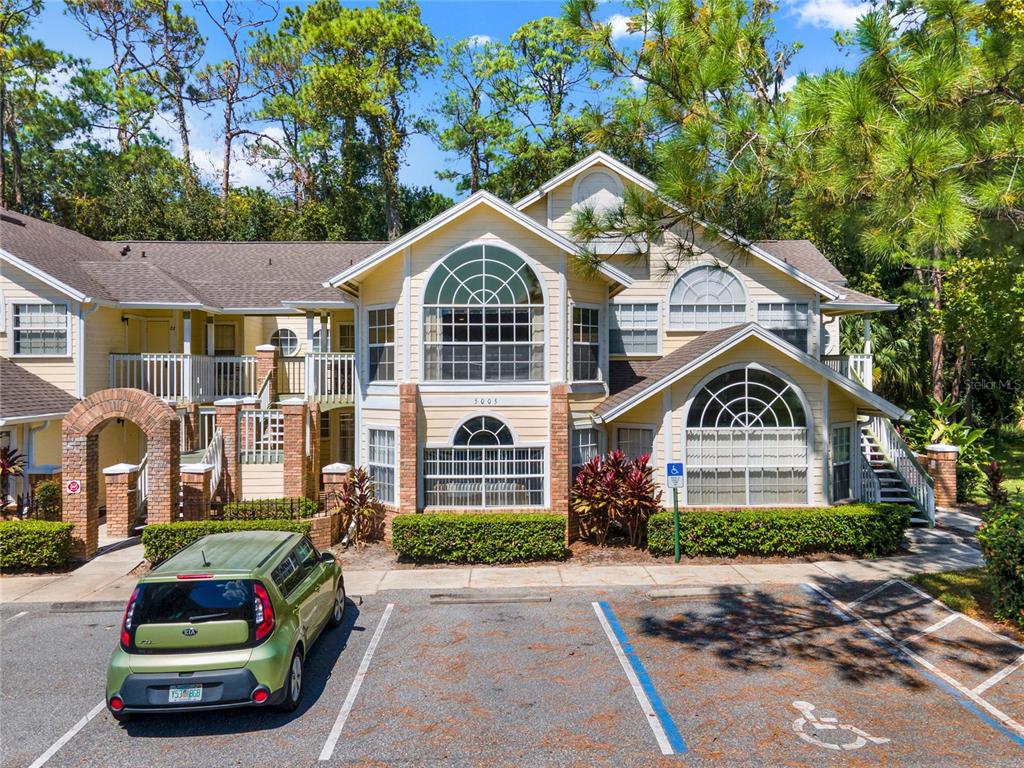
<point x="902" y="458"/>
<point x="175" y="376"/>
<point x="859" y="367"/>
<point x="214" y="456"/>
<point x="142" y="486"/>
<point x="870" y="489"/>
<point x="330" y="376"/>
<point x="291" y="374"/>
<point x="261" y="436"/>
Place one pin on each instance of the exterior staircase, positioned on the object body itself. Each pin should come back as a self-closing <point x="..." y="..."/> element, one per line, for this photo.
<point x="891" y="473"/>
<point x="892" y="489"/>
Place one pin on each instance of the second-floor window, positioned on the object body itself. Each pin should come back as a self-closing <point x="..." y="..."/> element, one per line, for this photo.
<point x="380" y="334"/>
<point x="586" y="344"/>
<point x="483" y="318"/>
<point x="705" y="298"/>
<point x="634" y="329"/>
<point x="40" y="330"/>
<point x="787" y="320"/>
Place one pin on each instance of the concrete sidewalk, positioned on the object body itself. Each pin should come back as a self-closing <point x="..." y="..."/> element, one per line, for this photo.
<point x="107" y="578"/>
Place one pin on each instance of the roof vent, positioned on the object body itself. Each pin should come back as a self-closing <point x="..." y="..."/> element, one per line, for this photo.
<point x="143" y="254"/>
<point x="126" y="250"/>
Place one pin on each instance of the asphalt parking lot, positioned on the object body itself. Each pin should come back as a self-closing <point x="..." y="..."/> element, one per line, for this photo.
<point x="830" y="674"/>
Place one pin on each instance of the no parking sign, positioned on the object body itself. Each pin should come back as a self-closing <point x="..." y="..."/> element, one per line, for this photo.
<point x="73" y="486"/>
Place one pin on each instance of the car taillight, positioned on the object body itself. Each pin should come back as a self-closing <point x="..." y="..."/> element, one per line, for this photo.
<point x="116" y="703"/>
<point x="126" y="625"/>
<point x="263" y="611"/>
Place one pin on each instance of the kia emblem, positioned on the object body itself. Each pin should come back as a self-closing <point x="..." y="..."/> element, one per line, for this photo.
<point x="189" y="631"/>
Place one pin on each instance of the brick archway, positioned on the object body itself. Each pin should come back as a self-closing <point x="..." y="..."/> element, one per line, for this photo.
<point x="81" y="456"/>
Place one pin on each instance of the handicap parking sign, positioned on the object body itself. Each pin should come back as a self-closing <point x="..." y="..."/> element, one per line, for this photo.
<point x="675" y="474"/>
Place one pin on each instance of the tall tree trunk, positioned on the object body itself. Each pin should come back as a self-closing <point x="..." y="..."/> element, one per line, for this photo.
<point x="3" y="144"/>
<point x="15" y="152"/>
<point x="186" y="149"/>
<point x="387" y="158"/>
<point x="225" y="173"/>
<point x="938" y="337"/>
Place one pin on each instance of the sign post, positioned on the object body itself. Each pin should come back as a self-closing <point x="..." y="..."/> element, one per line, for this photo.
<point x="675" y="482"/>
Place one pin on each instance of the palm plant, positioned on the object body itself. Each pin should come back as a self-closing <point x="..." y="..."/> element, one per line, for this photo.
<point x="12" y="464"/>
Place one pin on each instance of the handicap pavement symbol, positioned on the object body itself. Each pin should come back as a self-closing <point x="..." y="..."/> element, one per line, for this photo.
<point x="829" y="724"/>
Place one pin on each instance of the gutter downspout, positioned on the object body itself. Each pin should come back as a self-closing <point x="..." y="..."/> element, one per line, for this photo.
<point x="80" y="355"/>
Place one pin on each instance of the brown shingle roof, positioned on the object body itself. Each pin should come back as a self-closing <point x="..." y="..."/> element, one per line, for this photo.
<point x="656" y="370"/>
<point x="25" y="394"/>
<point x="803" y="255"/>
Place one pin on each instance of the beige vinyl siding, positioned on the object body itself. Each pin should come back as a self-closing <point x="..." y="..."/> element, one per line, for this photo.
<point x="104" y="334"/>
<point x="841" y="407"/>
<point x="46" y="444"/>
<point x="538" y="211"/>
<point x="530" y="424"/>
<point x="16" y="287"/>
<point x="262" y="481"/>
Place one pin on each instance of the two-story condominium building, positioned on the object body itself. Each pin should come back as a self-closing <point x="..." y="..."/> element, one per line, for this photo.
<point x="468" y="364"/>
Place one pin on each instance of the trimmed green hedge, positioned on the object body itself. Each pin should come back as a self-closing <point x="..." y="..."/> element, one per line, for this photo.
<point x="164" y="539"/>
<point x="288" y="508"/>
<point x="479" y="538"/>
<point x="860" y="529"/>
<point x="34" y="544"/>
<point x="1002" y="542"/>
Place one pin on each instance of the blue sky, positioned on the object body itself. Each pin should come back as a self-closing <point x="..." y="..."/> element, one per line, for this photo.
<point x="811" y="22"/>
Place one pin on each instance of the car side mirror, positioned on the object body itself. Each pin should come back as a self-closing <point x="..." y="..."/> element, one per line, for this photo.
<point x="327" y="557"/>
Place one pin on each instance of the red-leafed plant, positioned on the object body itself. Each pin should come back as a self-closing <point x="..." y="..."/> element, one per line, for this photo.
<point x="615" y="493"/>
<point x="362" y="513"/>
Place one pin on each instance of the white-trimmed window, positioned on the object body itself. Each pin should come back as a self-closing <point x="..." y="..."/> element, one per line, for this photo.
<point x="585" y="446"/>
<point x="346" y="338"/>
<point x="347" y="436"/>
<point x="380" y="335"/>
<point x="788" y="320"/>
<point x="586" y="343"/>
<point x="40" y="330"/>
<point x="635" y="441"/>
<point x="842" y="453"/>
<point x="634" y="329"/>
<point x="483" y="318"/>
<point x="746" y="441"/>
<point x="705" y="298"/>
<point x="286" y="341"/>
<point x="484" y="468"/>
<point x="380" y="462"/>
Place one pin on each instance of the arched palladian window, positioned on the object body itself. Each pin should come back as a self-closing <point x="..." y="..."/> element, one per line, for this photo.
<point x="705" y="298"/>
<point x="483" y="468"/>
<point x="746" y="441"/>
<point x="483" y="318"/>
<point x="599" y="190"/>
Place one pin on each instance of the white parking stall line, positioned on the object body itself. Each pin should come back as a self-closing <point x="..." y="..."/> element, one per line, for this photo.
<point x="877" y="590"/>
<point x="16" y="616"/>
<point x="1015" y="729"/>
<point x="933" y="628"/>
<point x="1000" y="675"/>
<point x="353" y="691"/>
<point x="45" y="757"/>
<point x="968" y="619"/>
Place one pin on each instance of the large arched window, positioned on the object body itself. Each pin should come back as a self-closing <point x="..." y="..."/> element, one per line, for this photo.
<point x="705" y="298"/>
<point x="746" y="441"/>
<point x="599" y="190"/>
<point x="483" y="468"/>
<point x="483" y="318"/>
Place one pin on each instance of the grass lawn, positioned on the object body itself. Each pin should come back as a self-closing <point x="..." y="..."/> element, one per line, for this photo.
<point x="1008" y="450"/>
<point x="966" y="591"/>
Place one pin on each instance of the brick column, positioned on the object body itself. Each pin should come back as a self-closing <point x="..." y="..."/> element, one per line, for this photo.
<point x="295" y="417"/>
<point x="335" y="478"/>
<point x="313" y="460"/>
<point x="80" y="463"/>
<point x="408" y="440"/>
<point x="558" y="456"/>
<point x="942" y="467"/>
<point x="195" y="491"/>
<point x="266" y="363"/>
<point x="190" y="423"/>
<point x="248" y="404"/>
<point x="227" y="422"/>
<point x="122" y="498"/>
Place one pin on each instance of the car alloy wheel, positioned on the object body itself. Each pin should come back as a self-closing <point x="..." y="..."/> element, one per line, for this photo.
<point x="338" y="609"/>
<point x="295" y="678"/>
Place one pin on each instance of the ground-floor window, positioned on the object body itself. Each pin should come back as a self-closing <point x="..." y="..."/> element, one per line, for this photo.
<point x="841" y="454"/>
<point x="635" y="441"/>
<point x="380" y="462"/>
<point x="483" y="468"/>
<point x="347" y="437"/>
<point x="584" y="448"/>
<point x="746" y="442"/>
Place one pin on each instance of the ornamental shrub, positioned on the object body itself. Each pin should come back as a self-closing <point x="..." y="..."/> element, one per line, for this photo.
<point x="362" y="513"/>
<point x="34" y="544"/>
<point x="870" y="530"/>
<point x="479" y="538"/>
<point x="162" y="540"/>
<point x="288" y="508"/>
<point x="615" y="493"/>
<point x="49" y="500"/>
<point x="1002" y="542"/>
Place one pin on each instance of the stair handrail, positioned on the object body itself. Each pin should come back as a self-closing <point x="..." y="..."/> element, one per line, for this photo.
<point x="214" y="457"/>
<point x="142" y="485"/>
<point x="264" y="392"/>
<point x="870" y="486"/>
<point x="905" y="462"/>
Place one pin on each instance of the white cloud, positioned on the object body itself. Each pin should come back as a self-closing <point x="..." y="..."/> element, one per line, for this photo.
<point x="619" y="24"/>
<point x="831" y="14"/>
<point x="788" y="84"/>
<point x="475" y="40"/>
<point x="637" y="83"/>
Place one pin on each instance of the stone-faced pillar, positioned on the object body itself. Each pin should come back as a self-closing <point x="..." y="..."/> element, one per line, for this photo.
<point x="266" y="365"/>
<point x="190" y="426"/>
<point x="558" y="456"/>
<point x="941" y="465"/>
<point x="195" y="491"/>
<point x="122" y="499"/>
<point x="296" y="416"/>
<point x="408" y="441"/>
<point x="231" y="476"/>
<point x="335" y="478"/>
<point x="81" y="506"/>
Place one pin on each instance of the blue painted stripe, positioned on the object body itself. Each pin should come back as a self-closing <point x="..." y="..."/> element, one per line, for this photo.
<point x="965" y="702"/>
<point x="675" y="739"/>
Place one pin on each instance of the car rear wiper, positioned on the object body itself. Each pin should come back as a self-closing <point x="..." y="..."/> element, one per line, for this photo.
<point x="208" y="616"/>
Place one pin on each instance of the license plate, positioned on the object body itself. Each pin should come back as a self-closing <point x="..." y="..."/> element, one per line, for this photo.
<point x="185" y="694"/>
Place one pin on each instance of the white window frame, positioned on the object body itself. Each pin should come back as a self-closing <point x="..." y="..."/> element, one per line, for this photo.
<point x="741" y="316"/>
<point x="12" y="330"/>
<point x="278" y="333"/>
<point x="346" y="339"/>
<point x="378" y="345"/>
<point x="654" y="439"/>
<point x="393" y="468"/>
<point x="314" y="343"/>
<point x="788" y="318"/>
<point x="574" y="463"/>
<point x="851" y="460"/>
<point x="613" y="325"/>
<point x="573" y="343"/>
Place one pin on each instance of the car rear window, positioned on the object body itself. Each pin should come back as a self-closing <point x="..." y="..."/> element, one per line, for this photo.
<point x="171" y="602"/>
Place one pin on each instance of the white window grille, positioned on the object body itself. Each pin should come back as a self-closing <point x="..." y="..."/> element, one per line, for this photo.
<point x="842" y="452"/>
<point x="746" y="442"/>
<point x="483" y="469"/>
<point x="261" y="436"/>
<point x="381" y="342"/>
<point x="286" y="341"/>
<point x="347" y="436"/>
<point x="380" y="462"/>
<point x="705" y="298"/>
<point x="585" y="446"/>
<point x="787" y="320"/>
<point x="635" y="441"/>
<point x="40" y="330"/>
<point x="634" y="329"/>
<point x="586" y="344"/>
<point x="346" y="338"/>
<point x="483" y="318"/>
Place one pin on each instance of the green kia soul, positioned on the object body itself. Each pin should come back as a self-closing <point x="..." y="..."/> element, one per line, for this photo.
<point x="226" y="622"/>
